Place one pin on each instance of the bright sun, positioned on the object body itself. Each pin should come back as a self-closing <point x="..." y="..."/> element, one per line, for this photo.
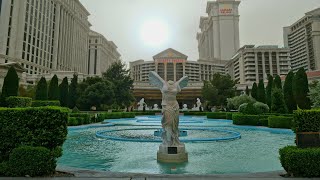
<point x="154" y="32"/>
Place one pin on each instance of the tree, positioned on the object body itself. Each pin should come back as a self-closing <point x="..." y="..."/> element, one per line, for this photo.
<point x="288" y="93"/>
<point x="64" y="92"/>
<point x="10" y="85"/>
<point x="261" y="92"/>
<point x="254" y="91"/>
<point x="247" y="91"/>
<point x="217" y="90"/>
<point x="41" y="91"/>
<point x="315" y="96"/>
<point x="96" y="95"/>
<point x="278" y="103"/>
<point x="119" y="76"/>
<point x="235" y="102"/>
<point x="269" y="90"/>
<point x="301" y="89"/>
<point x="73" y="93"/>
<point x="277" y="82"/>
<point x="53" y="93"/>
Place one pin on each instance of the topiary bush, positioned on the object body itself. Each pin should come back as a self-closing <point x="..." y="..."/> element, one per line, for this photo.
<point x="300" y="162"/>
<point x="261" y="108"/>
<point x="15" y="102"/>
<point x="82" y="118"/>
<point x="229" y="116"/>
<point x="280" y="122"/>
<point x="235" y="102"/>
<point x="216" y="115"/>
<point x="32" y="161"/>
<point x="43" y="126"/>
<point x="306" y="121"/>
<point x="45" y="103"/>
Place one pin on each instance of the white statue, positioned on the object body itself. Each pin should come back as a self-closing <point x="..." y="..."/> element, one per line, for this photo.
<point x="141" y="104"/>
<point x="170" y="107"/>
<point x="198" y="103"/>
<point x="185" y="107"/>
<point x="155" y="107"/>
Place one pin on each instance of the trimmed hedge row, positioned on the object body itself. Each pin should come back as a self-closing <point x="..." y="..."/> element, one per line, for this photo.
<point x="195" y="113"/>
<point x="300" y="162"/>
<point x="44" y="126"/>
<point x="253" y="120"/>
<point x="216" y="115"/>
<point x="115" y="115"/>
<point x="79" y="119"/>
<point x="280" y="122"/>
<point x="15" y="102"/>
<point x="45" y="103"/>
<point x="306" y="121"/>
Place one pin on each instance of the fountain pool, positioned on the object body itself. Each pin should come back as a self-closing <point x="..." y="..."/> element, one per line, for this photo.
<point x="130" y="145"/>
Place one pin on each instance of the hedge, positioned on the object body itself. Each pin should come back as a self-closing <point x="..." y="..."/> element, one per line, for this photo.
<point x="32" y="161"/>
<point x="195" y="113"/>
<point x="45" y="103"/>
<point x="82" y="118"/>
<point x="115" y="115"/>
<point x="15" y="102"/>
<point x="42" y="126"/>
<point x="300" y="162"/>
<point x="280" y="122"/>
<point x="73" y="121"/>
<point x="229" y="115"/>
<point x="216" y="115"/>
<point x="306" y="121"/>
<point x="252" y="120"/>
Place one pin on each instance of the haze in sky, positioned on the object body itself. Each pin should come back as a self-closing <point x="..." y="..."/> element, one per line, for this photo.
<point x="143" y="28"/>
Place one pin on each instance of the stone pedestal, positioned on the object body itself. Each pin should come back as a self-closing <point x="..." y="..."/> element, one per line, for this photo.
<point x="173" y="154"/>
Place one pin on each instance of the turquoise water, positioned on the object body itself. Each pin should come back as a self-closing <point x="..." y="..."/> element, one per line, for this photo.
<point x="255" y="151"/>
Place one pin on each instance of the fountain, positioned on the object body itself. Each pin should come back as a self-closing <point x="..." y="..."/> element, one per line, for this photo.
<point x="171" y="150"/>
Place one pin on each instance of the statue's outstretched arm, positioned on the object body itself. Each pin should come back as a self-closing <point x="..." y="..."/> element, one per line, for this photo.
<point x="183" y="82"/>
<point x="156" y="80"/>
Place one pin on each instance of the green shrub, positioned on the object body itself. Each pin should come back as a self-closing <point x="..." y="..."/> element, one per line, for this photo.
<point x="195" y="113"/>
<point x="32" y="161"/>
<point x="72" y="121"/>
<point x="43" y="126"/>
<point x="15" y="102"/>
<point x="306" y="121"/>
<point x="252" y="120"/>
<point x="261" y="108"/>
<point x="280" y="122"/>
<point x="82" y="118"/>
<point x="3" y="169"/>
<point x="264" y="122"/>
<point x="300" y="162"/>
<point x="216" y="115"/>
<point x="128" y="115"/>
<point x="235" y="102"/>
<point x="116" y="115"/>
<point x="248" y="108"/>
<point x="45" y="103"/>
<point x="229" y="116"/>
<point x="140" y="113"/>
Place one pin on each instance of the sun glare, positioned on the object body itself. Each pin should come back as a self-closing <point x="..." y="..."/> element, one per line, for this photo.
<point x="154" y="32"/>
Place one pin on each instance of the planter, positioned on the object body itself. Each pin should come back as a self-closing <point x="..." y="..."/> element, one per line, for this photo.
<point x="308" y="139"/>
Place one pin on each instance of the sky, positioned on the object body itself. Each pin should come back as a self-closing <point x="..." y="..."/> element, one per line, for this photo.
<point x="127" y="23"/>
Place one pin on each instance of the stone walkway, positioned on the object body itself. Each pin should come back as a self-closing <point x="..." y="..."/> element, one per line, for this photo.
<point x="89" y="174"/>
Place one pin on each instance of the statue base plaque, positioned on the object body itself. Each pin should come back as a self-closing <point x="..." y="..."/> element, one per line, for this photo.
<point x="172" y="154"/>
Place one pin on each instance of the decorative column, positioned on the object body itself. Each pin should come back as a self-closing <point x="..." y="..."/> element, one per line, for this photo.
<point x="174" y="72"/>
<point x="270" y="64"/>
<point x="257" y="66"/>
<point x="278" y="64"/>
<point x="165" y="70"/>
<point x="264" y="66"/>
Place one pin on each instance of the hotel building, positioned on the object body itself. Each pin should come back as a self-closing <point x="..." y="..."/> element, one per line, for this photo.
<point x="252" y="64"/>
<point x="303" y="39"/>
<point x="102" y="53"/>
<point x="219" y="36"/>
<point x="44" y="35"/>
